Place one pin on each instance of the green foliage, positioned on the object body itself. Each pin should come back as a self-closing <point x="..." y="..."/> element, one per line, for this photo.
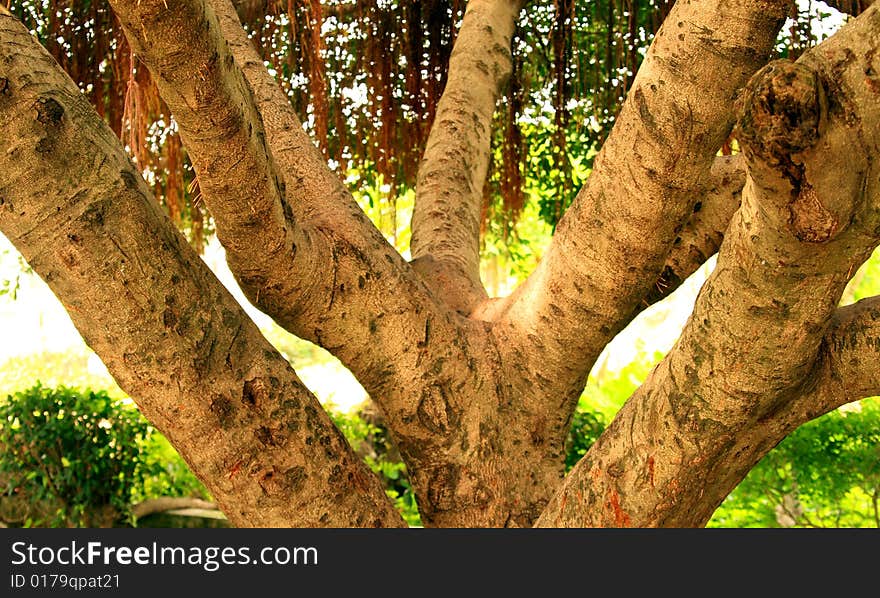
<point x="83" y="458"/>
<point x="824" y="474"/>
<point x="605" y="394"/>
<point x="866" y="281"/>
<point x="11" y="264"/>
<point x="390" y="212"/>
<point x="166" y="473"/>
<point x="586" y="426"/>
<point x="294" y="349"/>
<point x="82" y="450"/>
<point x="510" y="252"/>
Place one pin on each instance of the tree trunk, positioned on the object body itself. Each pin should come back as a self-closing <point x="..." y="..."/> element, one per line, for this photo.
<point x="477" y="393"/>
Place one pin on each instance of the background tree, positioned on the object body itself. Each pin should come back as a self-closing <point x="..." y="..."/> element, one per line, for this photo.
<point x="477" y="392"/>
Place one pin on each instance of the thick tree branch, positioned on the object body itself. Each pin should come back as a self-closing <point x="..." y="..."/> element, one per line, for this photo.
<point x="168" y="331"/>
<point x="748" y="366"/>
<point x="414" y="356"/>
<point x="848" y="370"/>
<point x="612" y="243"/>
<point x="316" y="195"/>
<point x="701" y="237"/>
<point x="449" y="191"/>
<point x="220" y="127"/>
<point x="335" y="281"/>
<point x="312" y="189"/>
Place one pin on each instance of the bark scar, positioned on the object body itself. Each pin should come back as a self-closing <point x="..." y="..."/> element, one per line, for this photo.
<point x="621" y="518"/>
<point x="49" y="111"/>
<point x="810" y="221"/>
<point x="434" y="411"/>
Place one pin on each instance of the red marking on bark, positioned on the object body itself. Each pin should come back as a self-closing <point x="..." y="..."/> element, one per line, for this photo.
<point x="621" y="518"/>
<point x="651" y="470"/>
<point x="235" y="469"/>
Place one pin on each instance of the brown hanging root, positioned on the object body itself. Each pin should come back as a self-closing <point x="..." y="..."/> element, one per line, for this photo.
<point x="382" y="138"/>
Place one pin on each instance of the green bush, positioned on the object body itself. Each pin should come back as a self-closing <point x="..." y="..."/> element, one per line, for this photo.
<point x="586" y="426"/>
<point x="165" y="472"/>
<point x="80" y="458"/>
<point x="78" y="454"/>
<point x="824" y="474"/>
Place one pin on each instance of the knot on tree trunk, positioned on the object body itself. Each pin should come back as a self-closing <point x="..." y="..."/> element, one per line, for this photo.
<point x="781" y="112"/>
<point x="783" y="116"/>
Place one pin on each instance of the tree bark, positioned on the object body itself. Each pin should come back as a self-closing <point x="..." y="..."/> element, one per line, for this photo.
<point x="166" y="328"/>
<point x="478" y="394"/>
<point x="751" y="362"/>
<point x="449" y="192"/>
<point x="613" y="242"/>
<point x="701" y="237"/>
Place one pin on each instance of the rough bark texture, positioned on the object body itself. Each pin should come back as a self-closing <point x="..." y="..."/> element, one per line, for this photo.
<point x="446" y="220"/>
<point x="750" y="358"/>
<point x="478" y="394"/>
<point x="701" y="237"/>
<point x="166" y="328"/>
<point x="611" y="245"/>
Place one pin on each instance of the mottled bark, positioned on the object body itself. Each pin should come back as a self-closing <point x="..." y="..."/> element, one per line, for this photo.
<point x="848" y="370"/>
<point x="196" y="75"/>
<point x="611" y="246"/>
<point x="166" y="328"/>
<point x="332" y="278"/>
<point x="753" y="361"/>
<point x="477" y="394"/>
<point x="449" y="192"/>
<point x="701" y="237"/>
<point x="435" y="375"/>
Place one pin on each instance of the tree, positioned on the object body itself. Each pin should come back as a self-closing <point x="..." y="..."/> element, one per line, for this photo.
<point x="477" y="392"/>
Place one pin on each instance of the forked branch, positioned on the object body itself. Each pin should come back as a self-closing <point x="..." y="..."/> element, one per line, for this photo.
<point x="171" y="335"/>
<point x="763" y="350"/>
<point x="612" y="244"/>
